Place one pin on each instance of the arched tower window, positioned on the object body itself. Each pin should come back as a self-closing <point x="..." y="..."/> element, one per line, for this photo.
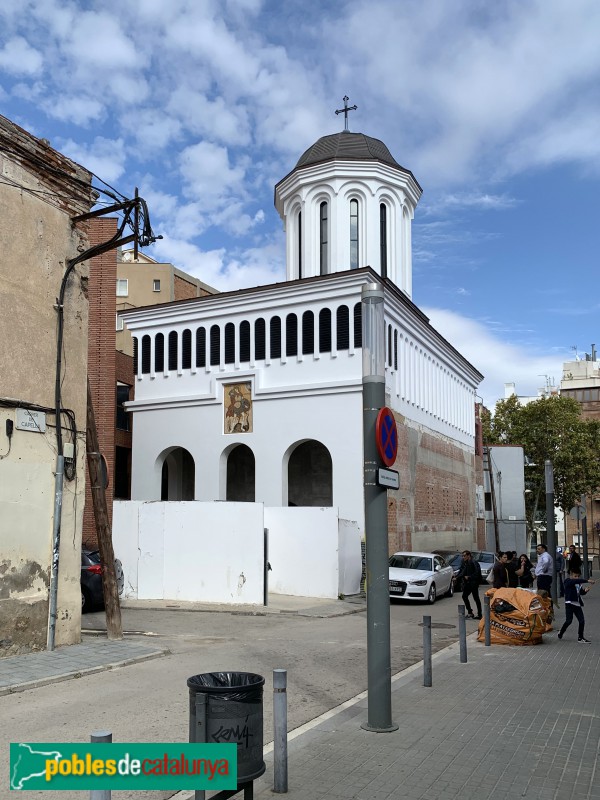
<point x="145" y="354"/>
<point x="275" y="331"/>
<point x="389" y="345"/>
<point x="215" y="345"/>
<point x="159" y="353"/>
<point x="325" y="330"/>
<point x="291" y="335"/>
<point x="299" y="244"/>
<point x="260" y="340"/>
<point x="245" y="341"/>
<point x="396" y="350"/>
<point x="173" y="350"/>
<point x="135" y="355"/>
<point x="200" y="347"/>
<point x="323" y="235"/>
<point x="186" y="350"/>
<point x="357" y="325"/>
<point x="343" y="328"/>
<point x="353" y="234"/>
<point x="308" y="333"/>
<point x="229" y="343"/>
<point x="383" y="239"/>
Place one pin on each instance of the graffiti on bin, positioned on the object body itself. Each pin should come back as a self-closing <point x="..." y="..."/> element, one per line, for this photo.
<point x="233" y="735"/>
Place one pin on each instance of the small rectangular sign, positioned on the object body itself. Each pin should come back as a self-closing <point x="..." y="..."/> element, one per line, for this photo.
<point x="28" y="420"/>
<point x="129" y="766"/>
<point x="389" y="478"/>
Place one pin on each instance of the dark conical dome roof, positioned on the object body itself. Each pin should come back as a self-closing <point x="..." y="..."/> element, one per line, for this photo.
<point x="347" y="146"/>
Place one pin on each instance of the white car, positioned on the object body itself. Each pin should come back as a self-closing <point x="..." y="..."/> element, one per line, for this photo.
<point x="420" y="576"/>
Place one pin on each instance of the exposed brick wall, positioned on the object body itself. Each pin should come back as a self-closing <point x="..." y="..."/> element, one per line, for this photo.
<point x="124" y="374"/>
<point x="182" y="289"/>
<point x="101" y="359"/>
<point x="435" y="505"/>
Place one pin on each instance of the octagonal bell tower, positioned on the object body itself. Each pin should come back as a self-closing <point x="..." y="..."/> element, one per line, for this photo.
<point x="348" y="204"/>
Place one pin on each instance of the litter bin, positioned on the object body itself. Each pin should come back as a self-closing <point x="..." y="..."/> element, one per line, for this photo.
<point x="234" y="715"/>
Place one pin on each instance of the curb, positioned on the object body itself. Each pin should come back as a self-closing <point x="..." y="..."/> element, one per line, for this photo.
<point x="65" y="676"/>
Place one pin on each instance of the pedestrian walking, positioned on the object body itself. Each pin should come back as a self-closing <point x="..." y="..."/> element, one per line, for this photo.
<point x="470" y="574"/>
<point x="560" y="571"/>
<point x="524" y="572"/>
<point x="574" y="605"/>
<point x="500" y="572"/>
<point x="543" y="568"/>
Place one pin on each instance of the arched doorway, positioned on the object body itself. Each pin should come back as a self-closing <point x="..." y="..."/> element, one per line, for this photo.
<point x="240" y="475"/>
<point x="178" y="475"/>
<point x="310" y="475"/>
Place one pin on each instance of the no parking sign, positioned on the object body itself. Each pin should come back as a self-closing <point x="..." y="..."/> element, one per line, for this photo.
<point x="386" y="436"/>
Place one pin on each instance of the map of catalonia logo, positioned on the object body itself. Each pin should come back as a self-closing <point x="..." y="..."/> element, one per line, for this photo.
<point x="132" y="766"/>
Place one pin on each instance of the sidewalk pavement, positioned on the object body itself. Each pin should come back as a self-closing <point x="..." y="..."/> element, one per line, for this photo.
<point x="512" y="722"/>
<point x="30" y="670"/>
<point x="278" y="604"/>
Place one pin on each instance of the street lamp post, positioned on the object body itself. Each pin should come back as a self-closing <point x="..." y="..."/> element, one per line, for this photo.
<point x="550" y="533"/>
<point x="379" y="670"/>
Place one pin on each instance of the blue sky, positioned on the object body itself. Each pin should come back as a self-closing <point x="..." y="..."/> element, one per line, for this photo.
<point x="204" y="106"/>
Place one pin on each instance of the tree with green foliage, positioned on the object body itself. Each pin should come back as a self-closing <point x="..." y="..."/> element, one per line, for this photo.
<point x="549" y="428"/>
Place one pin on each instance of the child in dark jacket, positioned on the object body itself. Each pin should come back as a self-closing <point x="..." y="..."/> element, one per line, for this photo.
<point x="574" y="604"/>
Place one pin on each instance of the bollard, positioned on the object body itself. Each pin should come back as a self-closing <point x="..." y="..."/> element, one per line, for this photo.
<point x="95" y="738"/>
<point x="462" y="634"/>
<point x="486" y="620"/>
<point x="427" y="674"/>
<point x="280" y="744"/>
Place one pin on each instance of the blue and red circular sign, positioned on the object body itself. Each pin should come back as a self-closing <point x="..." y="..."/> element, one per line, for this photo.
<point x="386" y="436"/>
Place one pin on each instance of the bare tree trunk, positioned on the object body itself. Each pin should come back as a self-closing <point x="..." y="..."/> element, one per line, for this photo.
<point x="114" y="628"/>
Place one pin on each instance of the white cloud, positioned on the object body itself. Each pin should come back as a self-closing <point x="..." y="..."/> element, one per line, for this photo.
<point x="99" y="41"/>
<point x="500" y="361"/>
<point x="104" y="157"/>
<point x="208" y="175"/>
<point x="215" y="119"/>
<point x="18" y="57"/>
<point x="80" y="110"/>
<point x="471" y="200"/>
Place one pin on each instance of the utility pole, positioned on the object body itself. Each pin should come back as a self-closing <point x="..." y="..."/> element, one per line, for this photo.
<point x="550" y="532"/>
<point x="114" y="628"/>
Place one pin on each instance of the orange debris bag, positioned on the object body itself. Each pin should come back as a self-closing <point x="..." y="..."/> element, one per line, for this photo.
<point x="517" y="616"/>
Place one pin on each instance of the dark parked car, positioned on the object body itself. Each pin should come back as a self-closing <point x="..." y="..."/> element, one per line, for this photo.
<point x="92" y="595"/>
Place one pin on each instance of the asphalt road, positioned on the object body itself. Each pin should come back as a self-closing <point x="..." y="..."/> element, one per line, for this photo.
<point x="325" y="659"/>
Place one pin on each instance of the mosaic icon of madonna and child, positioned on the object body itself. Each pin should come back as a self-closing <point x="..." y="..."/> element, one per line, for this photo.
<point x="237" y="402"/>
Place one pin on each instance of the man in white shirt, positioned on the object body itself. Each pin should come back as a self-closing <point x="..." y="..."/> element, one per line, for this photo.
<point x="544" y="568"/>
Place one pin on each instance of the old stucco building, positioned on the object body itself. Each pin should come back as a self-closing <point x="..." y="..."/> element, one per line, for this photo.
<point x="40" y="192"/>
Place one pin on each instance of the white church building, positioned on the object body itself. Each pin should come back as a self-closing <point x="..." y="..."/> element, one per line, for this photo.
<point x="254" y="397"/>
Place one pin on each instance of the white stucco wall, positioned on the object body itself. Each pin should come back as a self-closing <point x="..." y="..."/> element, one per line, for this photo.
<point x="213" y="552"/>
<point x="327" y="418"/>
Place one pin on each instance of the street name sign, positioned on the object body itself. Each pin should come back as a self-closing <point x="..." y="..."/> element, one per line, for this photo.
<point x="390" y="478"/>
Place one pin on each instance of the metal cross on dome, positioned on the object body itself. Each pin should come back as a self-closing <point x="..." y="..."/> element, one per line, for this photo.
<point x="345" y="111"/>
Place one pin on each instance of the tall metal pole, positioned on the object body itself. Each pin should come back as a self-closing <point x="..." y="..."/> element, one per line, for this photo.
<point x="550" y="532"/>
<point x="379" y="670"/>
<point x="53" y="599"/>
<point x="584" y="538"/>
